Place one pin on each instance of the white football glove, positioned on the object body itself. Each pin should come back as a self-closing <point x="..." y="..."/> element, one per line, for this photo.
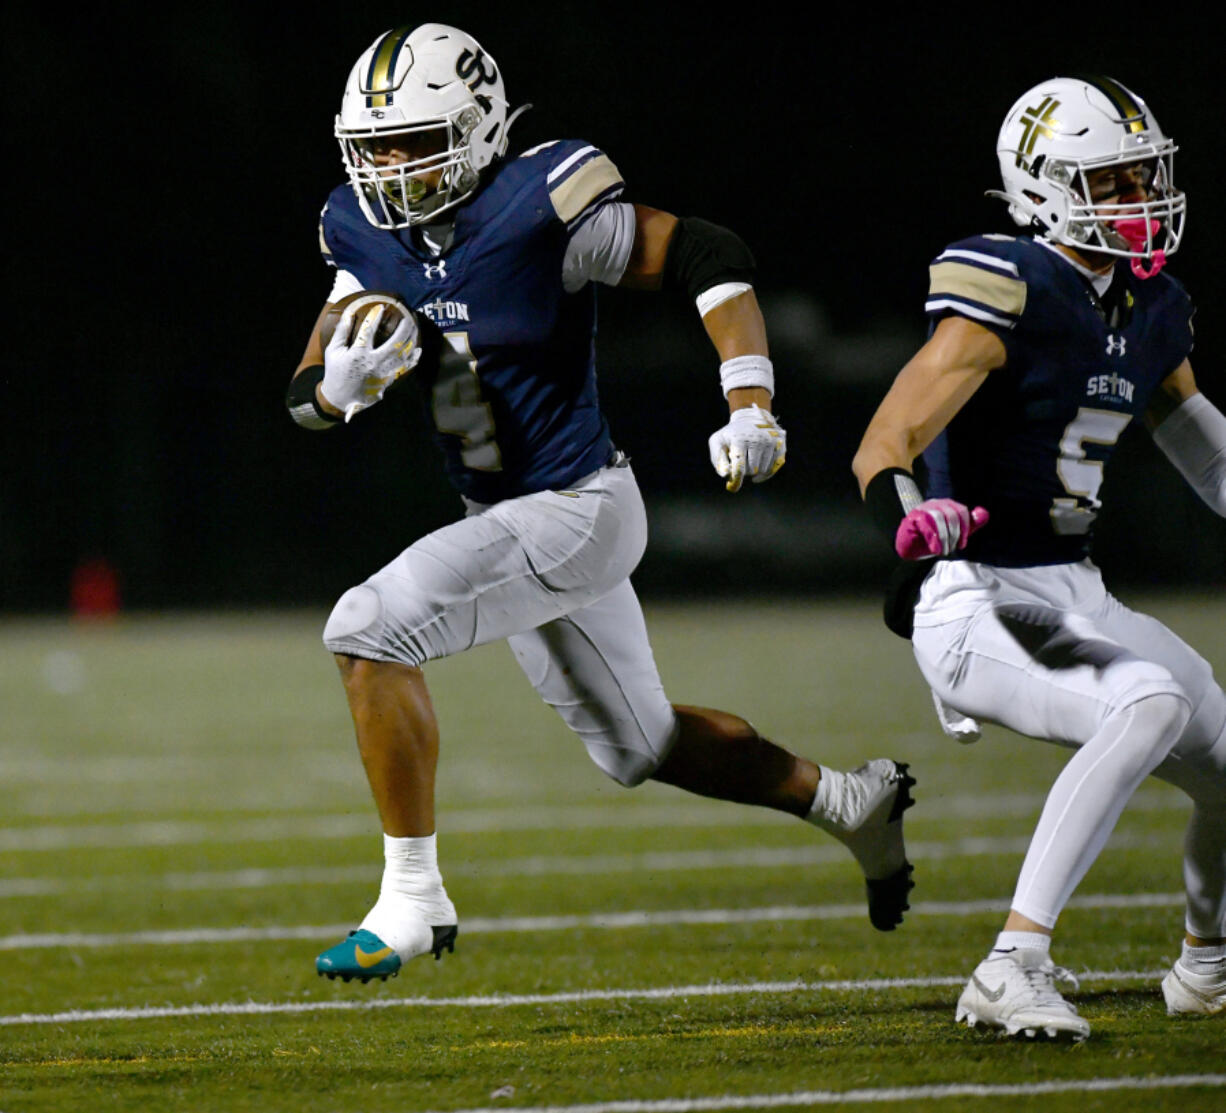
<point x="356" y="375"/>
<point x="752" y="443"/>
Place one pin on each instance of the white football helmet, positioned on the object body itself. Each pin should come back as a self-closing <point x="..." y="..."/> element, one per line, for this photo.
<point x="1064" y="129"/>
<point x="435" y="88"/>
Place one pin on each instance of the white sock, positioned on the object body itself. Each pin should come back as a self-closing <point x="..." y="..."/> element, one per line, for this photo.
<point x="412" y="899"/>
<point x="1022" y="941"/>
<point x="1203" y="960"/>
<point x="827" y="792"/>
<point x="410" y="867"/>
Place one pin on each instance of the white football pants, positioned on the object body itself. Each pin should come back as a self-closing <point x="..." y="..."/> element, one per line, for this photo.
<point x="550" y="573"/>
<point x="1048" y="652"/>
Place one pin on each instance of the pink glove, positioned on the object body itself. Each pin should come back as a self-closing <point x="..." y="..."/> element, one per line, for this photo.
<point x="937" y="527"/>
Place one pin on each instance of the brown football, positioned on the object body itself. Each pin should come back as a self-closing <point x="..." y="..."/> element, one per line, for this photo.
<point x="366" y="301"/>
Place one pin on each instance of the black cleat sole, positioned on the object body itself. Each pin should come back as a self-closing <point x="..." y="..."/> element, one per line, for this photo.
<point x="904" y="799"/>
<point x="444" y="940"/>
<point x="887" y="898"/>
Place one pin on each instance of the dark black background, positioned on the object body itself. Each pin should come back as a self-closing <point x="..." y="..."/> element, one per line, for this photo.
<point x="165" y="178"/>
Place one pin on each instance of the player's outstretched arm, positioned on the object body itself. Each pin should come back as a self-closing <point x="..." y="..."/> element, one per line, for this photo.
<point x="933" y="386"/>
<point x="715" y="268"/>
<point x="1191" y="431"/>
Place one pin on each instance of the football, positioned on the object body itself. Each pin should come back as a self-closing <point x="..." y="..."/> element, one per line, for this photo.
<point x="366" y="301"/>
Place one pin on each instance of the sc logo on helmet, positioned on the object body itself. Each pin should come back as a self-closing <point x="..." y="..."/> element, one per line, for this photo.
<point x="469" y="63"/>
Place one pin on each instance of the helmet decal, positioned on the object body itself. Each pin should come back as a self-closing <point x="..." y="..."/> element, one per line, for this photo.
<point x="1037" y="122"/>
<point x="1132" y="113"/>
<point x="470" y="68"/>
<point x="379" y="88"/>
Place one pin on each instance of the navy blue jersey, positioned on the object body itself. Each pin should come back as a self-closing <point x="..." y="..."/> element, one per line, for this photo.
<point x="1032" y="442"/>
<point x="513" y="392"/>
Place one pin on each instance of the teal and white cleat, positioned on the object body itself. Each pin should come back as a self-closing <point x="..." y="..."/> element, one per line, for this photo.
<point x="363" y="955"/>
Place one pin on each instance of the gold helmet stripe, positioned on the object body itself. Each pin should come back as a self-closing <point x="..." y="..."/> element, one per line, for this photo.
<point x="379" y="89"/>
<point x="1132" y="115"/>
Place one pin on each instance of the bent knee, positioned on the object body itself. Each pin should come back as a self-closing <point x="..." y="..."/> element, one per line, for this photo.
<point x="357" y="613"/>
<point x="1155" y="721"/>
<point x="628" y="766"/>
<point x="360" y="625"/>
<point x="627" y="752"/>
<point x="1165" y="712"/>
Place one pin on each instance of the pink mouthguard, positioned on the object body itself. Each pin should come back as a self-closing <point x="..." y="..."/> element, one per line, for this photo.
<point x="1139" y="233"/>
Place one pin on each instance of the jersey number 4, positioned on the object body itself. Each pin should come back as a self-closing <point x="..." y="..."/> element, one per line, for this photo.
<point x="1080" y="476"/>
<point x="459" y="408"/>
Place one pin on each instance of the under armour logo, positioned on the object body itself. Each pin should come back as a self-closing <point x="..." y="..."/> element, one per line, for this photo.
<point x="436" y="270"/>
<point x="1116" y="345"/>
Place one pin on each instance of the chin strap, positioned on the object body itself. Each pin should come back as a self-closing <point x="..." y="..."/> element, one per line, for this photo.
<point x="1140" y="233"/>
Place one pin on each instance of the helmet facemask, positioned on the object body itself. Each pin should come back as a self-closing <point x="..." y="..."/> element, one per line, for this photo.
<point x="1145" y="228"/>
<point x="417" y="189"/>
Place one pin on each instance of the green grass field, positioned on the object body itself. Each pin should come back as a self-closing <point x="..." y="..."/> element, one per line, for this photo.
<point x="185" y="824"/>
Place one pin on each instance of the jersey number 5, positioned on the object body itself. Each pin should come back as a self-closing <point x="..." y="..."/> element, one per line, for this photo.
<point x="459" y="408"/>
<point x="1081" y="477"/>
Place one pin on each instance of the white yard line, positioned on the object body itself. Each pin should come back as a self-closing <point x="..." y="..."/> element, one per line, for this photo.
<point x="939" y="1092"/>
<point x="512" y="1000"/>
<point x="538" y="865"/>
<point x="599" y="920"/>
<point x="530" y="816"/>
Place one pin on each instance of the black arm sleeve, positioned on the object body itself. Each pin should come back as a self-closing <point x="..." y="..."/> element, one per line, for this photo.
<point x="702" y="255"/>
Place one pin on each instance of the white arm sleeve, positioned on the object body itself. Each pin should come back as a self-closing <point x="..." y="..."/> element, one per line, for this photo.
<point x="1194" y="440"/>
<point x="344" y="284"/>
<point x="599" y="248"/>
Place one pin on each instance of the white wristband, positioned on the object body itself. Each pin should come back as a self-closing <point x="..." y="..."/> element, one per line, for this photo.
<point x="747" y="371"/>
<point x="717" y="295"/>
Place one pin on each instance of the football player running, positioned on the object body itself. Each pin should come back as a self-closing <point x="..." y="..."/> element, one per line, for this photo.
<point x="496" y="256"/>
<point x="1041" y="350"/>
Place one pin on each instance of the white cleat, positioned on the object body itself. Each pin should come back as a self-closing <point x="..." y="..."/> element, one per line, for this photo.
<point x="863" y="810"/>
<point x="1191" y="994"/>
<point x="1017" y="991"/>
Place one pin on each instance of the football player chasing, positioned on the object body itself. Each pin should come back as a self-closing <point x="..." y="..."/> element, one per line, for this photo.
<point x="1041" y="350"/>
<point x="497" y="257"/>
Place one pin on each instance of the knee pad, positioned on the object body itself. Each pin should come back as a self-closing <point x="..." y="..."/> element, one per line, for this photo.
<point x="354" y="620"/>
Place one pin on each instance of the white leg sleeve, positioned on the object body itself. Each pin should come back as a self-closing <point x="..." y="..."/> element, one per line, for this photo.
<point x="1198" y="766"/>
<point x="1087" y="798"/>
